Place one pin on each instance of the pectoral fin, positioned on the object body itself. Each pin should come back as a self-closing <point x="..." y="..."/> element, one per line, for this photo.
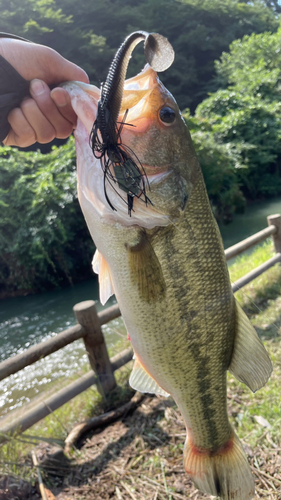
<point x="141" y="381"/>
<point x="250" y="362"/>
<point x="145" y="270"/>
<point x="101" y="268"/>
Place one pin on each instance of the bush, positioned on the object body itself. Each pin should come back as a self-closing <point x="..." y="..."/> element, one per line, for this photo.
<point x="44" y="239"/>
<point x="237" y="130"/>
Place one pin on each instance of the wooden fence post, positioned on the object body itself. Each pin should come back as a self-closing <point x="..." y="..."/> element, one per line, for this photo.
<point x="275" y="220"/>
<point x="86" y="315"/>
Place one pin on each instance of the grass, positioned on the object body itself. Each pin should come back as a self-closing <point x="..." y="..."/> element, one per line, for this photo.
<point x="245" y="406"/>
<point x="256" y="296"/>
<point x="55" y="427"/>
<point x="261" y="299"/>
<point x="140" y="457"/>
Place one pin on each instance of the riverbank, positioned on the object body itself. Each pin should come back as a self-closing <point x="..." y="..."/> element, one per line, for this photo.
<point x="28" y="320"/>
<point x="140" y="457"/>
<point x="252" y="220"/>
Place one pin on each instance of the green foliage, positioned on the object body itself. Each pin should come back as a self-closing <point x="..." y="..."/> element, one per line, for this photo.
<point x="253" y="65"/>
<point x="89" y="33"/>
<point x="218" y="163"/>
<point x="273" y="4"/>
<point x="243" y="123"/>
<point x="44" y="241"/>
<point x="253" y="128"/>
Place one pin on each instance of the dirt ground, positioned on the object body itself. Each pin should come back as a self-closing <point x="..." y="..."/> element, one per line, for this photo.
<point x="138" y="457"/>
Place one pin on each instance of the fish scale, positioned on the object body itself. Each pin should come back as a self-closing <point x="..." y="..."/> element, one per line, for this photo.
<point x="196" y="331"/>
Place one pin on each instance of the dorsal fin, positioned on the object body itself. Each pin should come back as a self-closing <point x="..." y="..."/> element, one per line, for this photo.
<point x="101" y="268"/>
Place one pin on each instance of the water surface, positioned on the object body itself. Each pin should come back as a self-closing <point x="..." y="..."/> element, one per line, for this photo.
<point x="25" y="321"/>
<point x="252" y="221"/>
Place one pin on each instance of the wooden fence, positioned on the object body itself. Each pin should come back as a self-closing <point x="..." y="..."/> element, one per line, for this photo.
<point x="89" y="329"/>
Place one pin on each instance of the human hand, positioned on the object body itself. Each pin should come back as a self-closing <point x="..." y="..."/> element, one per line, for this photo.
<point x="46" y="114"/>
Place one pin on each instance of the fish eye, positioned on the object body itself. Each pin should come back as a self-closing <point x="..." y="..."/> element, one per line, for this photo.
<point x="167" y="115"/>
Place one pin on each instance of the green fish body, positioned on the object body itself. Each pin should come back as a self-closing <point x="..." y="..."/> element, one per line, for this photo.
<point x="166" y="265"/>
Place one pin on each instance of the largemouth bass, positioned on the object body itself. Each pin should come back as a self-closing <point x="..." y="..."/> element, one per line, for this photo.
<point x="162" y="255"/>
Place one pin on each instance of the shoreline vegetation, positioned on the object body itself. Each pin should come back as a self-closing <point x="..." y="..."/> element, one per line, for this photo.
<point x="225" y="78"/>
<point x="140" y="456"/>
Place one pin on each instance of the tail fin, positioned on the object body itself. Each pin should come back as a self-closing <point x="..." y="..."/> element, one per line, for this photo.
<point x="225" y="473"/>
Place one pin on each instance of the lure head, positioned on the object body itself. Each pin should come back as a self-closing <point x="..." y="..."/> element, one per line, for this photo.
<point x="153" y="133"/>
<point x="119" y="164"/>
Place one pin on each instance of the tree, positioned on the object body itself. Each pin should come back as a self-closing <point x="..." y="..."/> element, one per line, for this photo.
<point x="273" y="4"/>
<point x="43" y="237"/>
<point x="89" y="35"/>
<point x="245" y="118"/>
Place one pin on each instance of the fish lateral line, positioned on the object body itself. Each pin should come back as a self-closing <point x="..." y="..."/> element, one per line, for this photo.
<point x="239" y="289"/>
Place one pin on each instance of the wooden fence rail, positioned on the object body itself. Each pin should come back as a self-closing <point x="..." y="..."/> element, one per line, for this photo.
<point x="249" y="242"/>
<point x="89" y="329"/>
<point x="52" y="403"/>
<point x="62" y="339"/>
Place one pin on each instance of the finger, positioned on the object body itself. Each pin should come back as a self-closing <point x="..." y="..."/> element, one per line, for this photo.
<point x="21" y="133"/>
<point x="44" y="130"/>
<point x="62" y="70"/>
<point x="41" y="95"/>
<point x="38" y="61"/>
<point x="62" y="100"/>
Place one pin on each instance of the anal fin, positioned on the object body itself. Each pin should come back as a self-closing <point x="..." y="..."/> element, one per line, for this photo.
<point x="250" y="362"/>
<point x="141" y="381"/>
<point x="101" y="268"/>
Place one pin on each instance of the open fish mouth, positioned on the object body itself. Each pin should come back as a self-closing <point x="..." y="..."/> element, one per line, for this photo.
<point x="142" y="98"/>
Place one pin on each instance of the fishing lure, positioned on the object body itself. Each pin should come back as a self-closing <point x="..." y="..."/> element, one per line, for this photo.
<point x="120" y="164"/>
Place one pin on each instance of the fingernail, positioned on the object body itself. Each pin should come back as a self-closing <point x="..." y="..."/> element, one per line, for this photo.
<point x="37" y="87"/>
<point x="59" y="98"/>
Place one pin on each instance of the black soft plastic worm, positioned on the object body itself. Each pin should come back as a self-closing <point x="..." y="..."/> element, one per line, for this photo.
<point x="119" y="163"/>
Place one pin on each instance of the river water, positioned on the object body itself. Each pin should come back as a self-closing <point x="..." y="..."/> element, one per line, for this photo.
<point x="25" y="321"/>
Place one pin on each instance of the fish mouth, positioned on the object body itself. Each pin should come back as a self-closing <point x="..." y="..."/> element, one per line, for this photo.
<point x="136" y="92"/>
<point x="137" y="100"/>
<point x="84" y="100"/>
<point x="159" y="55"/>
<point x="138" y="88"/>
<point x="143" y="96"/>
